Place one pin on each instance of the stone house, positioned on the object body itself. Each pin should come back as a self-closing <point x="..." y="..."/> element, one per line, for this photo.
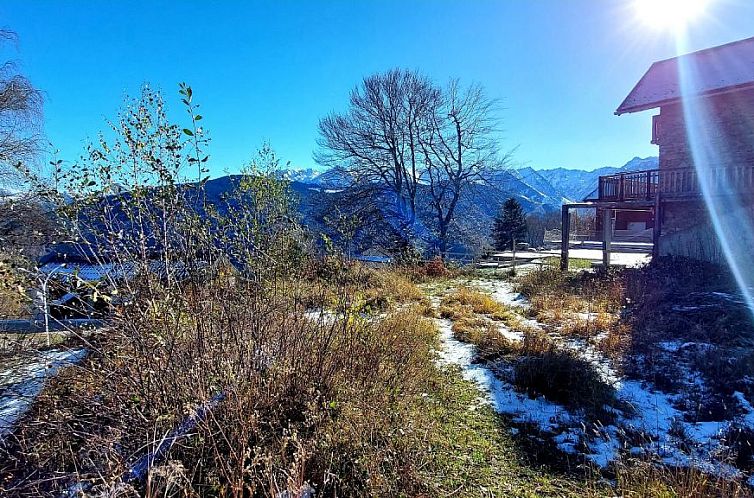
<point x="705" y="134"/>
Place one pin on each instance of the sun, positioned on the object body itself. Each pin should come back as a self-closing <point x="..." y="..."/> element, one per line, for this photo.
<point x="672" y="15"/>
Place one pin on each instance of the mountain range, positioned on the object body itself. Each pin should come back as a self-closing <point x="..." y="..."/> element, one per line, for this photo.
<point x="538" y="190"/>
<point x="574" y="184"/>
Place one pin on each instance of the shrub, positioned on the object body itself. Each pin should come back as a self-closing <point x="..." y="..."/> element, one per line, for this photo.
<point x="302" y="401"/>
<point x="221" y="338"/>
<point x="561" y="376"/>
<point x="436" y="268"/>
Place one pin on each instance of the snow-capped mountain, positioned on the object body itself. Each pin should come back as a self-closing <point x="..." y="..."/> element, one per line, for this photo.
<point x="575" y="185"/>
<point x="303" y="175"/>
<point x="538" y="190"/>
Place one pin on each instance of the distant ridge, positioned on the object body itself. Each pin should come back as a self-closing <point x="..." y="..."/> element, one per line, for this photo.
<point x="575" y="185"/>
<point x="537" y="189"/>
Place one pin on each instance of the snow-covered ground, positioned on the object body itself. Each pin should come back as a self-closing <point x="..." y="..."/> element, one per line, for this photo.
<point x="22" y="379"/>
<point x="647" y="422"/>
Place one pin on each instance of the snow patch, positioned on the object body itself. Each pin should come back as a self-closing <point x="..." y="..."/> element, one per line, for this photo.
<point x="641" y="412"/>
<point x="22" y="381"/>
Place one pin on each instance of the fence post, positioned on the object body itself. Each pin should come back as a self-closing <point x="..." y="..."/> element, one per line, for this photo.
<point x="657" y="229"/>
<point x="565" y="230"/>
<point x="607" y="227"/>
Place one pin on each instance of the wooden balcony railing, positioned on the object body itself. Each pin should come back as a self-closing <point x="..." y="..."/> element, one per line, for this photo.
<point x="675" y="182"/>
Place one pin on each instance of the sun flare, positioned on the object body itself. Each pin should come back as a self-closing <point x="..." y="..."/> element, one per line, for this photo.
<point x="670" y="14"/>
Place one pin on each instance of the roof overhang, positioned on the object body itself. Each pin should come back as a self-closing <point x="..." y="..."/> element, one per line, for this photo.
<point x="626" y="109"/>
<point x="712" y="71"/>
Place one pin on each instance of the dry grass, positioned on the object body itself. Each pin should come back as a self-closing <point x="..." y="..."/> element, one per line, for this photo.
<point x="484" y="334"/>
<point x="585" y="305"/>
<point x="541" y="368"/>
<point x="398" y="289"/>
<point x="590" y="326"/>
<point x="617" y="342"/>
<point x="355" y="407"/>
<point x="465" y="301"/>
<point x="642" y="479"/>
<point x="632" y="315"/>
<point x="577" y="292"/>
<point x="334" y="284"/>
<point x="573" y="263"/>
<point x="329" y="404"/>
<point x="477" y="319"/>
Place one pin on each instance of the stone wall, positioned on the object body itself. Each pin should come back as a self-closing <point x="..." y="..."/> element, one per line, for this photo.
<point x="688" y="231"/>
<point x="728" y="124"/>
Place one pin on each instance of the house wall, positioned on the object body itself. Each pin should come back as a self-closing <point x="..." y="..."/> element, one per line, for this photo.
<point x="686" y="229"/>
<point x="623" y="218"/>
<point x="729" y="123"/>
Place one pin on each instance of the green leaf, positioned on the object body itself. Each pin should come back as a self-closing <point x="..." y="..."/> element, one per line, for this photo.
<point x="198" y="117"/>
<point x="188" y="132"/>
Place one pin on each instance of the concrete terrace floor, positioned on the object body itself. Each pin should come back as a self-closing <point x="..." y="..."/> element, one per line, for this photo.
<point x="618" y="258"/>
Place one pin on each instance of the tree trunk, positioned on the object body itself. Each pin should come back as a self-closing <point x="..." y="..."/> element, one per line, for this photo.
<point x="443" y="240"/>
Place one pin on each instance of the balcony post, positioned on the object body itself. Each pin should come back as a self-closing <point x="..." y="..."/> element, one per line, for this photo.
<point x="649" y="182"/>
<point x="620" y="187"/>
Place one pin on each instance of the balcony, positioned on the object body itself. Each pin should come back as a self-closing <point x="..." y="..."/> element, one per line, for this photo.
<point x="673" y="183"/>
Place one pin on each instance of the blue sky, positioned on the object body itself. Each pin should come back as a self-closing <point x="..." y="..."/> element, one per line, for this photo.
<point x="271" y="70"/>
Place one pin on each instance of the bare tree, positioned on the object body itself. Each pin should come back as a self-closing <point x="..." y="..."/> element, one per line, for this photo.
<point x="20" y="117"/>
<point x="405" y="141"/>
<point x="376" y="142"/>
<point x="460" y="150"/>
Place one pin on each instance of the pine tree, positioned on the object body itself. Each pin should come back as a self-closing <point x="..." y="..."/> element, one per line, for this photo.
<point x="510" y="225"/>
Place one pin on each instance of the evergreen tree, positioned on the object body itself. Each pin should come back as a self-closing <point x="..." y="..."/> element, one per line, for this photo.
<point x="510" y="225"/>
